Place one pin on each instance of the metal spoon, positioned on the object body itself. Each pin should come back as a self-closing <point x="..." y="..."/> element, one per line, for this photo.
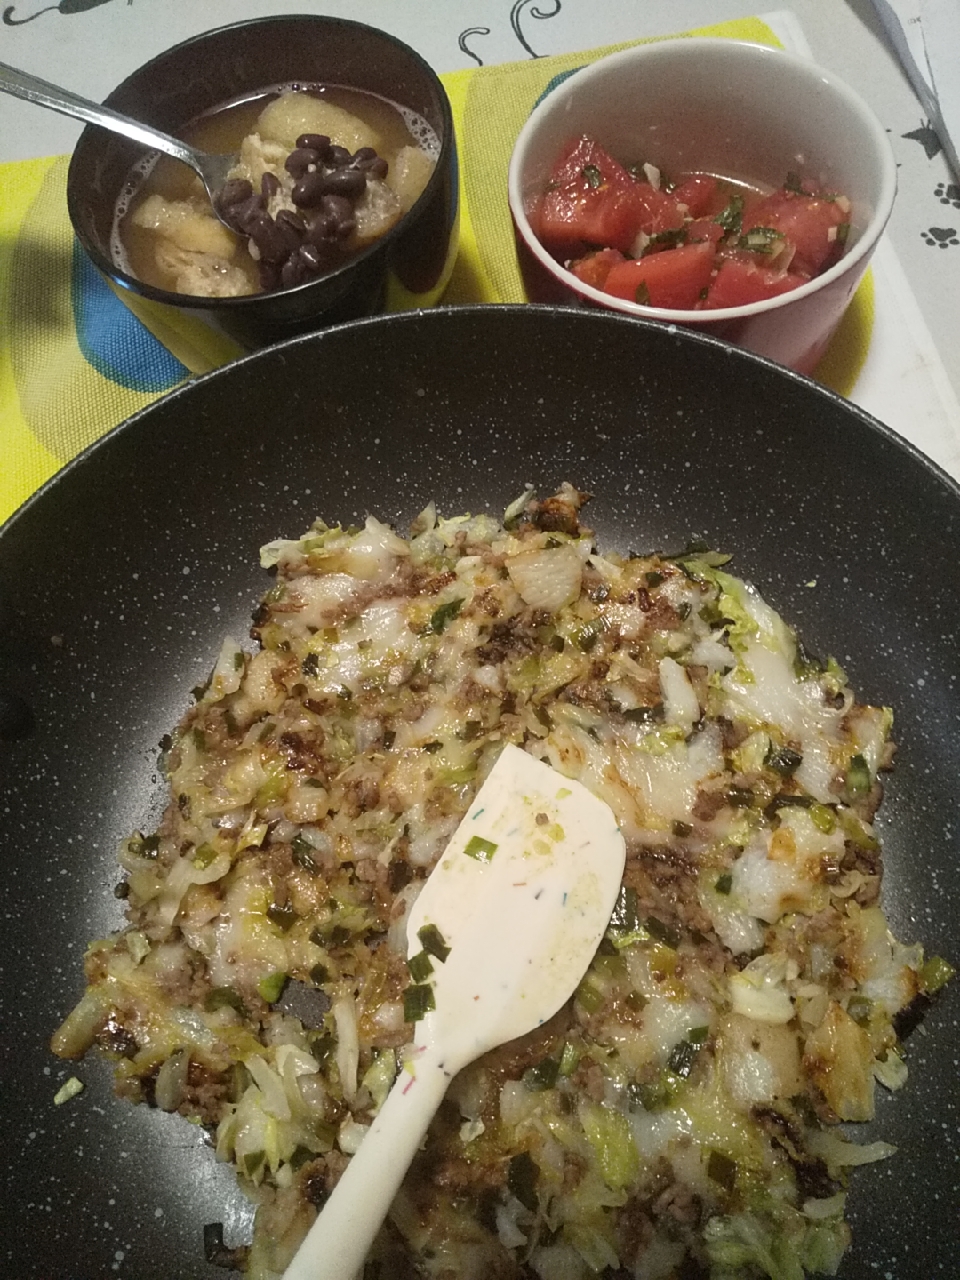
<point x="508" y="921"/>
<point x="212" y="170"/>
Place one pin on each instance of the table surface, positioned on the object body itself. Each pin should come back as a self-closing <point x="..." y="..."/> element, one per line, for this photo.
<point x="90" y="45"/>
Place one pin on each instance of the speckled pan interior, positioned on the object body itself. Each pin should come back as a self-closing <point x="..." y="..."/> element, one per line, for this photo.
<point x="119" y="580"/>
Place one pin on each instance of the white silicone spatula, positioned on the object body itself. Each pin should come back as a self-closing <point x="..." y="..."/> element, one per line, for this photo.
<point x="521" y="897"/>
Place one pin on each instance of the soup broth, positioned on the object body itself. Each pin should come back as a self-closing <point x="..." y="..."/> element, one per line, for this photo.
<point x="322" y="172"/>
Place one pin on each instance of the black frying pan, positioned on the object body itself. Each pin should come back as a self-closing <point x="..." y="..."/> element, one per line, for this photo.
<point x="120" y="578"/>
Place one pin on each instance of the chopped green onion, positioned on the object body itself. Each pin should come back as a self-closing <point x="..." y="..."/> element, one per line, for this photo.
<point x="698" y="1035"/>
<point x="724" y="883"/>
<point x="418" y="1001"/>
<point x="69" y="1089"/>
<point x="934" y="974"/>
<point x="204" y="856"/>
<point x="431" y="939"/>
<point x="310" y="666"/>
<point x="482" y="850"/>
<point x="591" y="175"/>
<point x="271" y="986"/>
<point x="420" y="966"/>
<point x="642" y="294"/>
<point x="589" y="997"/>
<point x="857" y="781"/>
<point x="859" y="1008"/>
<point x="319" y="974"/>
<point x="760" y="239"/>
<point x="681" y="829"/>
<point x="569" y="1059"/>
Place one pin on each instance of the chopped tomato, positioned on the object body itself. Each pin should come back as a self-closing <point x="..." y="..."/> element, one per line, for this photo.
<point x="591" y="200"/>
<point x="674" y="280"/>
<point x="704" y="229"/>
<point x="595" y="268"/>
<point x="810" y="223"/>
<point x="739" y="282"/>
<point x="698" y="192"/>
<point x="660" y="211"/>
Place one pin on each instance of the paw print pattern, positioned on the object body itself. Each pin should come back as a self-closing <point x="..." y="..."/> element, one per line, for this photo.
<point x="948" y="193"/>
<point x="940" y="237"/>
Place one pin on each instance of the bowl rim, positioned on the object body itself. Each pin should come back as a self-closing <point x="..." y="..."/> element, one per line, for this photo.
<point x="729" y="48"/>
<point x="202" y="302"/>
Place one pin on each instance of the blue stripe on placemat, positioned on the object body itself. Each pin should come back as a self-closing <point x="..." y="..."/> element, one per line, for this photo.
<point x="111" y="337"/>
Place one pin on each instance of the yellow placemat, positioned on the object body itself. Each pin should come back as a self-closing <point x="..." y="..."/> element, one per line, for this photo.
<point x="75" y="361"/>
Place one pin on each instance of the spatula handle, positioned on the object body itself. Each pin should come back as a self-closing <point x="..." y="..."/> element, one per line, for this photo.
<point x="339" y="1240"/>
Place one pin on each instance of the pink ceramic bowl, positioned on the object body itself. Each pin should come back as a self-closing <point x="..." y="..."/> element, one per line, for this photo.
<point x="737" y="110"/>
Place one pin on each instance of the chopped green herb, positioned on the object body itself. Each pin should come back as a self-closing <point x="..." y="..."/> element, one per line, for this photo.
<point x="238" y="660"/>
<point x="644" y="715"/>
<point x="681" y="1059"/>
<point x="642" y="294"/>
<point x="843" y="233"/>
<point x="302" y="852"/>
<point x="671" y="238"/>
<point x="443" y="615"/>
<point x="522" y="1176"/>
<point x="345" y="694"/>
<point x="224" y="997"/>
<point x="661" y="932"/>
<point x="271" y="986"/>
<point x="420" y="966"/>
<point x="431" y="747"/>
<point x="681" y="829"/>
<point x="431" y="939"/>
<point x="591" y="175"/>
<point x="698" y="1035"/>
<point x="542" y="1076"/>
<point x="482" y="850"/>
<point x="310" y="666"/>
<point x="319" y="974"/>
<point x="283" y="917"/>
<point x="654" y="578"/>
<point x="624" y="918"/>
<point x="783" y="760"/>
<point x="722" y="1170"/>
<point x="388" y="739"/>
<point x="418" y="1001"/>
<point x="731" y="218"/>
<point x="199" y="739"/>
<point x="724" y="883"/>
<point x="252" y="1162"/>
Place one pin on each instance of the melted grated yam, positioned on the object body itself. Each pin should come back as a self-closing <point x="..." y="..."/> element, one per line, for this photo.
<point x="674" y="1116"/>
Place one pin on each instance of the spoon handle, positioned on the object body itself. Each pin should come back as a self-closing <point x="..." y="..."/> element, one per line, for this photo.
<point x="20" y="84"/>
<point x="340" y="1238"/>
